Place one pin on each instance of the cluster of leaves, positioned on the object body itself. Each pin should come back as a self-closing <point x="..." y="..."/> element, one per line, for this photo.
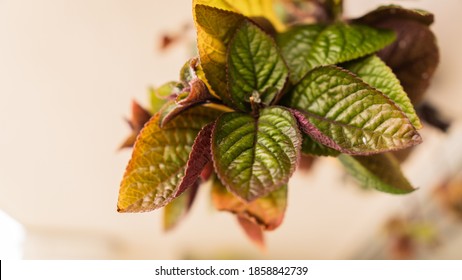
<point x="260" y="94"/>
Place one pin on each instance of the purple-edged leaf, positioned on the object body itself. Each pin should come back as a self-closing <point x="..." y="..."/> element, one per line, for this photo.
<point x="268" y="211"/>
<point x="312" y="148"/>
<point x="314" y="133"/>
<point x="195" y="94"/>
<point x="254" y="65"/>
<point x="376" y="73"/>
<point x="305" y="47"/>
<point x="381" y="172"/>
<point x="199" y="157"/>
<point x="254" y="156"/>
<point x="159" y="160"/>
<point x="253" y="231"/>
<point x="161" y="95"/>
<point x="139" y="117"/>
<point x="414" y="55"/>
<point x="178" y="208"/>
<point x="344" y="113"/>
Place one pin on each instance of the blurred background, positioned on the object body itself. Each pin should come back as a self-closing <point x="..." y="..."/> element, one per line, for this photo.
<point x="68" y="73"/>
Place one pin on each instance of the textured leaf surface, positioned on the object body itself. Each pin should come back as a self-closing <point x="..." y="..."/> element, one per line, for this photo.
<point x="177" y="209"/>
<point x="414" y="55"/>
<point x="254" y="64"/>
<point x="356" y="117"/>
<point x="308" y="46"/>
<point x="267" y="211"/>
<point x="254" y="156"/>
<point x="215" y="28"/>
<point x="249" y="8"/>
<point x="376" y="73"/>
<point x="381" y="172"/>
<point x="199" y="157"/>
<point x="159" y="160"/>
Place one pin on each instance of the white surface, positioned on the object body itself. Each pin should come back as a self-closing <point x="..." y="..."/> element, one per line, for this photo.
<point x="68" y="70"/>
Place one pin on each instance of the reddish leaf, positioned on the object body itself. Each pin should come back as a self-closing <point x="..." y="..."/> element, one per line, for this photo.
<point x="207" y="171"/>
<point x="139" y="117"/>
<point x="253" y="231"/>
<point x="306" y="162"/>
<point x="313" y="131"/>
<point x="197" y="93"/>
<point x="414" y="55"/>
<point x="267" y="211"/>
<point x="198" y="159"/>
<point x="396" y="12"/>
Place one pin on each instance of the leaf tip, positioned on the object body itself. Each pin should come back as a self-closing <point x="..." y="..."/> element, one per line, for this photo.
<point x="253" y="231"/>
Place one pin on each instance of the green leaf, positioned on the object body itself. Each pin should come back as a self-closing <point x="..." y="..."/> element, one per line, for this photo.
<point x="254" y="156"/>
<point x="254" y="65"/>
<point x="160" y="95"/>
<point x="177" y="209"/>
<point x="357" y="118"/>
<point x="311" y="147"/>
<point x="267" y="211"/>
<point x="414" y="55"/>
<point x="215" y="28"/>
<point x="376" y="73"/>
<point x="308" y="46"/>
<point x="159" y="160"/>
<point x="381" y="172"/>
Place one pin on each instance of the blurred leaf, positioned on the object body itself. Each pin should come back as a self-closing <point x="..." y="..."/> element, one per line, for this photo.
<point x="267" y="212"/>
<point x="376" y="73"/>
<point x="255" y="156"/>
<point x="159" y="160"/>
<point x="305" y="47"/>
<point x="381" y="172"/>
<point x="253" y="231"/>
<point x="139" y="117"/>
<point x="387" y="12"/>
<point x="344" y="113"/>
<point x="432" y="116"/>
<point x="254" y="65"/>
<point x="414" y="55"/>
<point x="178" y="208"/>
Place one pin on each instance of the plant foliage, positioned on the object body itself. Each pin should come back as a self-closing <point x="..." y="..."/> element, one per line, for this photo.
<point x="261" y="94"/>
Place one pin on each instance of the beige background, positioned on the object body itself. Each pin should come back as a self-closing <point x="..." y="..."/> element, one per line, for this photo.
<point x="68" y="72"/>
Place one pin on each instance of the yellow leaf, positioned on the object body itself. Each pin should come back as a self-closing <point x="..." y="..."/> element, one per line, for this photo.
<point x="249" y="8"/>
